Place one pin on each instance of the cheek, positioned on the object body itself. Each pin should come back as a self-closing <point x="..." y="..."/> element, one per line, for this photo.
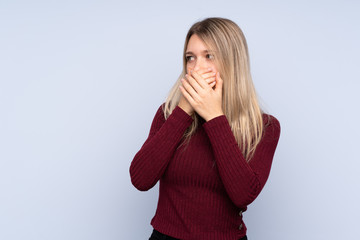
<point x="213" y="66"/>
<point x="188" y="68"/>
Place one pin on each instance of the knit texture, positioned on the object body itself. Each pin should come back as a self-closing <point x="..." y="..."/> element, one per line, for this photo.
<point x="206" y="185"/>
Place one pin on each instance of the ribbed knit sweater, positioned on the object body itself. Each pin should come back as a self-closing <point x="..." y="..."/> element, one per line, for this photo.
<point x="206" y="185"/>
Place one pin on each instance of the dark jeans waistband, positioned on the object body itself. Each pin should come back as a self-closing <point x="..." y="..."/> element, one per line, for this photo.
<point x="156" y="235"/>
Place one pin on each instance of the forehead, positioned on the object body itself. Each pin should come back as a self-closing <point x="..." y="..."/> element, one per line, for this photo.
<point x="196" y="44"/>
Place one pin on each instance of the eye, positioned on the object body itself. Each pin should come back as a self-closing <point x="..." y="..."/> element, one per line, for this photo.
<point x="189" y="58"/>
<point x="210" y="56"/>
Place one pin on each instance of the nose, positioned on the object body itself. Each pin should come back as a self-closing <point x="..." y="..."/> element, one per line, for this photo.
<point x="200" y="64"/>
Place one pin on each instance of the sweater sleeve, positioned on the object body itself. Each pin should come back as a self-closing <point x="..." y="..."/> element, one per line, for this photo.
<point x="243" y="181"/>
<point x="150" y="162"/>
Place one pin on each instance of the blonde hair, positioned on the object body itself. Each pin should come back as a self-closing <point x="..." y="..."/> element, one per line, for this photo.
<point x="239" y="101"/>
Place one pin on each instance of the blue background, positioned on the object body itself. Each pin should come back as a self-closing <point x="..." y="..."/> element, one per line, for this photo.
<point x="80" y="82"/>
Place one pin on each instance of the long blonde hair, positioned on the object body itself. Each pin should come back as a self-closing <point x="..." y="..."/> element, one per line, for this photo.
<point x="239" y="101"/>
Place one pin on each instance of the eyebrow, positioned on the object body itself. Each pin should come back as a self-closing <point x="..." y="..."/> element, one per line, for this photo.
<point x="204" y="51"/>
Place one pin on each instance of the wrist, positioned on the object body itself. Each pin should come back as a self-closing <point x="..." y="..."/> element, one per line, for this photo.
<point x="188" y="111"/>
<point x="213" y="116"/>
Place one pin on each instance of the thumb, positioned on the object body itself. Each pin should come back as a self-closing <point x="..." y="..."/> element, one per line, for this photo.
<point x="219" y="82"/>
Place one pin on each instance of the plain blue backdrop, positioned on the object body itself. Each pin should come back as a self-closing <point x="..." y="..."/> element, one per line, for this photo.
<point x="80" y="82"/>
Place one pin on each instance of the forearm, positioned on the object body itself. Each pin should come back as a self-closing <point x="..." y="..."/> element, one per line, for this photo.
<point x="151" y="160"/>
<point x="243" y="181"/>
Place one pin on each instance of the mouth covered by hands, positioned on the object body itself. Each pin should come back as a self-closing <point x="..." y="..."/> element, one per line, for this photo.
<point x="203" y="94"/>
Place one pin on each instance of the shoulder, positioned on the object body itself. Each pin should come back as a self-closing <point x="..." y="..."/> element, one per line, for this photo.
<point x="271" y="125"/>
<point x="159" y="115"/>
<point x="269" y="119"/>
<point x="161" y="108"/>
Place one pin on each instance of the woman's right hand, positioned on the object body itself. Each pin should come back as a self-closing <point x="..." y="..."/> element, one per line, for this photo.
<point x="209" y="76"/>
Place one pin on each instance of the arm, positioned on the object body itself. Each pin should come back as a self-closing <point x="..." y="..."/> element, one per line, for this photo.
<point x="151" y="160"/>
<point x="243" y="181"/>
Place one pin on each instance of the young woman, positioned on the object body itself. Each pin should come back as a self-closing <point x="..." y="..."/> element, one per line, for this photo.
<point x="210" y="144"/>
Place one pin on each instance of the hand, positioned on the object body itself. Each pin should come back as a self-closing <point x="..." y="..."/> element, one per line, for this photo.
<point x="209" y="76"/>
<point x="205" y="100"/>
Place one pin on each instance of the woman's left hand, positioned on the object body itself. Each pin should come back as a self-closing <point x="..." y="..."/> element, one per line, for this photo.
<point x="205" y="100"/>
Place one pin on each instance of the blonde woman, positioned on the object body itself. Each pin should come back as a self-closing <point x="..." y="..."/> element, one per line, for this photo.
<point x="210" y="145"/>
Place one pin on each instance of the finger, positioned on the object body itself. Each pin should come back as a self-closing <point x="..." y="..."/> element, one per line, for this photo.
<point x="194" y="83"/>
<point x="186" y="95"/>
<point x="201" y="82"/>
<point x="208" y="75"/>
<point x="205" y="70"/>
<point x="209" y="80"/>
<point x="189" y="88"/>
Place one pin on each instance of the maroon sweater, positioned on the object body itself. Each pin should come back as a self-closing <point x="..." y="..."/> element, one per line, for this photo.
<point x="205" y="186"/>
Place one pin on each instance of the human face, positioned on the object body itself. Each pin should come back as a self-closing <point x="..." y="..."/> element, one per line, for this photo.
<point x="199" y="56"/>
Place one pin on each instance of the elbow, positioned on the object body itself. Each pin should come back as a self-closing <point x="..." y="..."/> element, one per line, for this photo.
<point x="245" y="197"/>
<point x="139" y="181"/>
<point x="143" y="187"/>
<point x="244" y="201"/>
